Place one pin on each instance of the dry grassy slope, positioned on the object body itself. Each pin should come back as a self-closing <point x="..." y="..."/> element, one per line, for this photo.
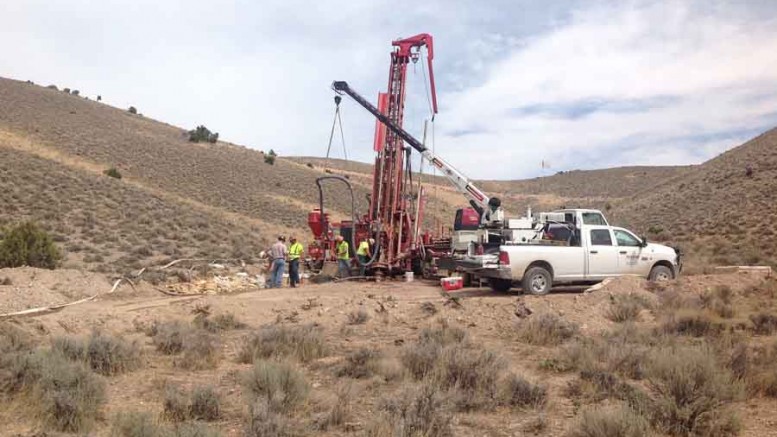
<point x="158" y="155"/>
<point x="722" y="215"/>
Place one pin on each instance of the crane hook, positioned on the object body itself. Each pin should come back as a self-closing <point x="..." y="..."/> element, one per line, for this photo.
<point x="338" y="99"/>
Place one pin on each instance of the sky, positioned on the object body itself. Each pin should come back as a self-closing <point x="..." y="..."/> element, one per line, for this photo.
<point x="577" y="84"/>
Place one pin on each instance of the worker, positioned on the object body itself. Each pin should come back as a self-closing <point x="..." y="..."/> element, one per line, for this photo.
<point x="295" y="252"/>
<point x="343" y="258"/>
<point x="364" y="254"/>
<point x="278" y="254"/>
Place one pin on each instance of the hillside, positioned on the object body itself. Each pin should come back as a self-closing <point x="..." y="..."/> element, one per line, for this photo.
<point x="718" y="213"/>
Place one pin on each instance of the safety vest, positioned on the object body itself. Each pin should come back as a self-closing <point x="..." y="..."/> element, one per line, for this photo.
<point x="342" y="250"/>
<point x="364" y="248"/>
<point x="295" y="251"/>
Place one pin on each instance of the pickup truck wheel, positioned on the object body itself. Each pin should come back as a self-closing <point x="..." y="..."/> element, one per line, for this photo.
<point x="537" y="281"/>
<point x="660" y="274"/>
<point x="500" y="285"/>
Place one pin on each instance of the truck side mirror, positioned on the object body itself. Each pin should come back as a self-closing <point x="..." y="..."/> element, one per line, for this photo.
<point x="644" y="242"/>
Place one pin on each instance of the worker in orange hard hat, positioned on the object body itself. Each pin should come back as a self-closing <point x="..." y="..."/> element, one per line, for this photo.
<point x="364" y="254"/>
<point x="343" y="256"/>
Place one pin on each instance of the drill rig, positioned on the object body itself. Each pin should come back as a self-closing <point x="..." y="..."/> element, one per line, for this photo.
<point x="395" y="208"/>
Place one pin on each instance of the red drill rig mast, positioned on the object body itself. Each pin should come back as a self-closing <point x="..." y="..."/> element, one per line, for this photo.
<point x="390" y="209"/>
<point x="392" y="219"/>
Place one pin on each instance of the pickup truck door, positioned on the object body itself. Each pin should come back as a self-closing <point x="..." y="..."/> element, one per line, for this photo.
<point x="629" y="253"/>
<point x="602" y="252"/>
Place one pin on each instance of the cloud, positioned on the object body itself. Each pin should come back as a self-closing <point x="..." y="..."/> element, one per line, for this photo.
<point x="573" y="82"/>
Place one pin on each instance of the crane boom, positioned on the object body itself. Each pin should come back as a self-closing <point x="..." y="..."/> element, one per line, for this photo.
<point x="460" y="182"/>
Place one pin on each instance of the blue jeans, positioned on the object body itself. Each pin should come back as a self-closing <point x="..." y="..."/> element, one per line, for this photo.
<point x="294" y="272"/>
<point x="362" y="261"/>
<point x="344" y="266"/>
<point x="276" y="274"/>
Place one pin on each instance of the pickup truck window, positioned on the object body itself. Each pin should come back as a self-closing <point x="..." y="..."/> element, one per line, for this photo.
<point x="601" y="237"/>
<point x="625" y="239"/>
<point x="593" y="218"/>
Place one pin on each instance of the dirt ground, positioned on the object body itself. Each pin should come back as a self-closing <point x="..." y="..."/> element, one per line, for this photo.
<point x="396" y="316"/>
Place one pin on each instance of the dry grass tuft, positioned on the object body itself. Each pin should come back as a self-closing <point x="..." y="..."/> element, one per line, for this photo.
<point x="263" y="421"/>
<point x="693" y="323"/>
<point x="626" y="307"/>
<point x="764" y="323"/>
<point x="279" y="384"/>
<point x="598" y="422"/>
<point x="362" y="363"/>
<point x="691" y="393"/>
<point x="546" y="329"/>
<point x="303" y="342"/>
<point x="516" y="391"/>
<point x="719" y="301"/>
<point x="418" y="411"/>
<point x="200" y="351"/>
<point x="358" y="317"/>
<point x="338" y="411"/>
<point x="14" y="339"/>
<point x="175" y="405"/>
<point x="136" y="424"/>
<point x="218" y="323"/>
<point x="105" y="354"/>
<point x="169" y="337"/>
<point x="205" y="404"/>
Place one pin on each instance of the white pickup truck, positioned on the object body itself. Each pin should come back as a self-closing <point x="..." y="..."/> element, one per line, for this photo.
<point x="581" y="248"/>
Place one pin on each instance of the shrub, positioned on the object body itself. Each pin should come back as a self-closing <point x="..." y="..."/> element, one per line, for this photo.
<point x="132" y="110"/>
<point x="418" y="411"/>
<point x="303" y="342"/>
<point x="339" y="410"/>
<point x="474" y="373"/>
<point x="195" y="430"/>
<point x="67" y="394"/>
<point x="421" y="357"/>
<point x="135" y="424"/>
<point x="13" y="339"/>
<point x="358" y="317"/>
<point x="279" y="384"/>
<point x="546" y="329"/>
<point x="169" y="337"/>
<point x="718" y="300"/>
<point x="626" y="307"/>
<point x="265" y="422"/>
<point x="175" y="405"/>
<point x="66" y="90"/>
<point x="518" y="392"/>
<point x="105" y="354"/>
<point x="764" y="323"/>
<point x="598" y="422"/>
<point x="202" y="134"/>
<point x="360" y="364"/>
<point x="75" y="92"/>
<point x="218" y="323"/>
<point x="112" y="173"/>
<point x="205" y="404"/>
<point x="28" y="245"/>
<point x="269" y="157"/>
<point x="200" y="351"/>
<point x="690" y="393"/>
<point x="52" y="87"/>
<point x="692" y="323"/>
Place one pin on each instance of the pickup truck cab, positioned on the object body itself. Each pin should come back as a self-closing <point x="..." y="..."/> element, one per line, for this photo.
<point x="583" y="248"/>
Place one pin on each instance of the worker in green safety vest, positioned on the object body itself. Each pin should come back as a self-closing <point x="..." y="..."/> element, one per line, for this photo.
<point x="295" y="252"/>
<point x="343" y="258"/>
<point x="364" y="254"/>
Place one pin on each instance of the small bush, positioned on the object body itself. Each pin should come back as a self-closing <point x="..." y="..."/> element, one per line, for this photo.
<point x="691" y="393"/>
<point x="194" y="430"/>
<point x="358" y="317"/>
<point x="474" y="373"/>
<point x="546" y="329"/>
<point x="269" y="157"/>
<point x="627" y="307"/>
<point x="303" y="342"/>
<point x="136" y="424"/>
<point x="175" y="405"/>
<point x="28" y="245"/>
<point x="518" y="392"/>
<point x="692" y="323"/>
<point x="339" y="410"/>
<point x="200" y="351"/>
<point x="266" y="422"/>
<point x="75" y="92"/>
<point x="105" y="354"/>
<point x="112" y="172"/>
<point x="279" y="384"/>
<point x="202" y="134"/>
<point x="68" y="395"/>
<point x="418" y="411"/>
<point x="598" y="422"/>
<point x="13" y="339"/>
<point x="718" y="300"/>
<point x="169" y="337"/>
<point x="132" y="110"/>
<point x="443" y="335"/>
<point x="360" y="364"/>
<point x="218" y="323"/>
<point x="205" y="404"/>
<point x="764" y="323"/>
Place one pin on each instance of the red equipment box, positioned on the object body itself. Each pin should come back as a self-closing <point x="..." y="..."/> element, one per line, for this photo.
<point x="453" y="283"/>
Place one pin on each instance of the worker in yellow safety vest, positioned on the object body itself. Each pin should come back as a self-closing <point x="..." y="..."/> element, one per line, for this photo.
<point x="343" y="257"/>
<point x="364" y="254"/>
<point x="295" y="252"/>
